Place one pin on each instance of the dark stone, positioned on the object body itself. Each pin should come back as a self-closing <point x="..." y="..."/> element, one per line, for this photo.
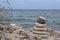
<point x="41" y="21"/>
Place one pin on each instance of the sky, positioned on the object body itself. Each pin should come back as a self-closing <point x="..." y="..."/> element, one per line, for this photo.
<point x="34" y="4"/>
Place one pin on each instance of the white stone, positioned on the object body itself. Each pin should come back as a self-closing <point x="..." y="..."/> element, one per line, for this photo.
<point x="40" y="25"/>
<point x="13" y="24"/>
<point x="35" y="28"/>
<point x="42" y="18"/>
<point x="38" y="32"/>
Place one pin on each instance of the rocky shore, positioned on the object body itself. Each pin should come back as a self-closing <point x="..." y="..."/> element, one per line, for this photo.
<point x="39" y="32"/>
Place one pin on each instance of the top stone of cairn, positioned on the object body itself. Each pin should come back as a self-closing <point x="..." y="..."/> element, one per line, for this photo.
<point x="41" y="20"/>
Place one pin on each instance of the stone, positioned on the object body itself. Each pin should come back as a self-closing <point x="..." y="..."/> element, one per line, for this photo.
<point x="41" y="20"/>
<point x="39" y="25"/>
<point x="2" y="39"/>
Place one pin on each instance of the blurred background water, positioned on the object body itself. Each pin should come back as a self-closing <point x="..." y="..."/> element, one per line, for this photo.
<point x="27" y="18"/>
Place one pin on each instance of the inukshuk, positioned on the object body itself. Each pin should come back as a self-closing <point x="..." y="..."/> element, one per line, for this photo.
<point x="40" y="29"/>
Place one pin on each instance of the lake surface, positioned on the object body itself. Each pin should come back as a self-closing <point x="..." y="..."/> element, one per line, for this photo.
<point x="26" y="18"/>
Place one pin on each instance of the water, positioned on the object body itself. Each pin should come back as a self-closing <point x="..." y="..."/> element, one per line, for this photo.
<point x="26" y="18"/>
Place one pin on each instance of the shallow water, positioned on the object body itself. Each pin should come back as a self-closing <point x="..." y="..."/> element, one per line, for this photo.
<point x="26" y="18"/>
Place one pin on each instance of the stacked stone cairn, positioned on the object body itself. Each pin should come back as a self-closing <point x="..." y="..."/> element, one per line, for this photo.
<point x="41" y="30"/>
